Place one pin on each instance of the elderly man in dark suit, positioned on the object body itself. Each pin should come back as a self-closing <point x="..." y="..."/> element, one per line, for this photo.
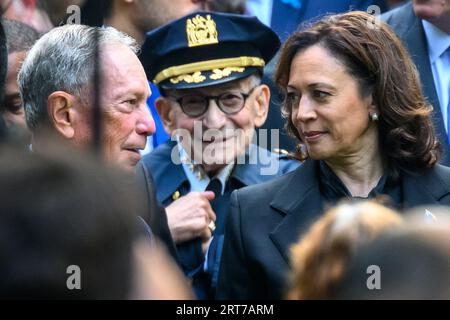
<point x="424" y="28"/>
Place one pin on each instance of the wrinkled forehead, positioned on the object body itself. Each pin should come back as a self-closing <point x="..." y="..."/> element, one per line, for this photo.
<point x="121" y="73"/>
<point x="118" y="61"/>
<point x="114" y="49"/>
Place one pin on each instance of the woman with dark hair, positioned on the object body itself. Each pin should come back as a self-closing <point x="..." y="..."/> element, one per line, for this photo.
<point x="353" y="101"/>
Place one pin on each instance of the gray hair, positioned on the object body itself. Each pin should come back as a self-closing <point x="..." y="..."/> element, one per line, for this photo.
<point x="63" y="59"/>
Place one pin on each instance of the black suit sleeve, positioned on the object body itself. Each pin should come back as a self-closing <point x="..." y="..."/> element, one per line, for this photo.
<point x="156" y="215"/>
<point x="235" y="281"/>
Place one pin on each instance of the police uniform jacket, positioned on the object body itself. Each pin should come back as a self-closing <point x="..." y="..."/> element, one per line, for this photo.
<point x="170" y="179"/>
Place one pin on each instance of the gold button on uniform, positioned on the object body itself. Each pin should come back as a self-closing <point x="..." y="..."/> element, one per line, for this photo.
<point x="176" y="195"/>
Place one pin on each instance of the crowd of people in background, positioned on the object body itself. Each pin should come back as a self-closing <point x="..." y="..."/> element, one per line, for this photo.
<point x="224" y="149"/>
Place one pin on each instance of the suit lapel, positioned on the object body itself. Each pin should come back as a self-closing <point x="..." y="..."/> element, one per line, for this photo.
<point x="428" y="188"/>
<point x="168" y="175"/>
<point x="299" y="202"/>
<point x="416" y="42"/>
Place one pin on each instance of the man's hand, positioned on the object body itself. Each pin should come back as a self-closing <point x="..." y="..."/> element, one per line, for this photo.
<point x="189" y="216"/>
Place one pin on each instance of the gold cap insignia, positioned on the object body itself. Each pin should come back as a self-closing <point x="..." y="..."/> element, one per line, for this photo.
<point x="201" y="31"/>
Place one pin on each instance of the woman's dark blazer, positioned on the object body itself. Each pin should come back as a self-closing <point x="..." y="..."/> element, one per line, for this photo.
<point x="266" y="219"/>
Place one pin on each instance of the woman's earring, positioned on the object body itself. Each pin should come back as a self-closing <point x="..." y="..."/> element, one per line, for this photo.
<point x="374" y="116"/>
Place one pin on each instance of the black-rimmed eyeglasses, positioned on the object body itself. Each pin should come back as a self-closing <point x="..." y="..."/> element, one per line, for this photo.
<point x="230" y="102"/>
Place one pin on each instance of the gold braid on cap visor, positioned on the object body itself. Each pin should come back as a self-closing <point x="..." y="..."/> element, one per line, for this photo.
<point x="195" y="67"/>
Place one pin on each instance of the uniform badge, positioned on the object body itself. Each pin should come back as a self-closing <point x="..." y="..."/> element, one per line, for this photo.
<point x="201" y="31"/>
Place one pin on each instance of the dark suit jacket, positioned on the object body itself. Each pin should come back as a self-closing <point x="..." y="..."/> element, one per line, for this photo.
<point x="170" y="177"/>
<point x="266" y="219"/>
<point x="156" y="215"/>
<point x="409" y="29"/>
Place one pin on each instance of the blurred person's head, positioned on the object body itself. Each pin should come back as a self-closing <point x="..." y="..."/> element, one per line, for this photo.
<point x="435" y="11"/>
<point x="61" y="209"/>
<point x="136" y="17"/>
<point x="20" y="37"/>
<point x="413" y="262"/>
<point x="208" y="67"/>
<point x="350" y="85"/>
<point x="320" y="258"/>
<point x="27" y="11"/>
<point x="428" y="9"/>
<point x="56" y="85"/>
<point x="227" y="6"/>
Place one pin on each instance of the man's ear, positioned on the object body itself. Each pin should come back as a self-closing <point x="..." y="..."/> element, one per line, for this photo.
<point x="166" y="113"/>
<point x="59" y="107"/>
<point x="262" y="99"/>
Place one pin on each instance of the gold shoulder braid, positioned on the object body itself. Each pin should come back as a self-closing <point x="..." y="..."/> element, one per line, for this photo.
<point x="201" y="31"/>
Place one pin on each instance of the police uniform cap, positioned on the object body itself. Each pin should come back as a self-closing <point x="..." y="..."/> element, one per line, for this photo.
<point x="207" y="48"/>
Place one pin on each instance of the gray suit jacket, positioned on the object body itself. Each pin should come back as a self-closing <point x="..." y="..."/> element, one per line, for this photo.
<point x="409" y="29"/>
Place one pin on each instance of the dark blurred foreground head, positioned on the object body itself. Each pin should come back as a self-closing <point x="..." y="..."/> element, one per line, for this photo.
<point x="63" y="209"/>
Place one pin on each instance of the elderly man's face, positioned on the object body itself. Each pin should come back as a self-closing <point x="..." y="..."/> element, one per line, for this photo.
<point x="126" y="119"/>
<point x="215" y="139"/>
